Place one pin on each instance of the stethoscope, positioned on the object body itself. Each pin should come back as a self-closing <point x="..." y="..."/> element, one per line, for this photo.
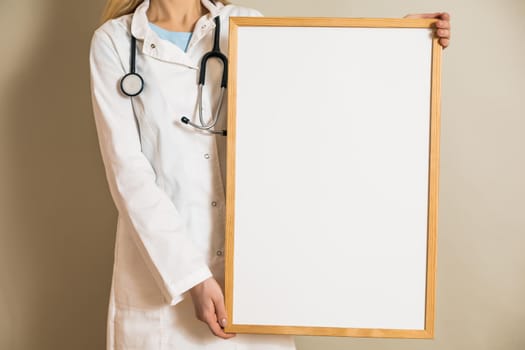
<point x="132" y="83"/>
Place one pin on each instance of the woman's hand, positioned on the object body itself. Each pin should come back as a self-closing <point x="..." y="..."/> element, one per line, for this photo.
<point x="208" y="302"/>
<point x="442" y="26"/>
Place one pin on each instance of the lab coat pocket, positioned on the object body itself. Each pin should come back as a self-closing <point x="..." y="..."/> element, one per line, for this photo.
<point x="138" y="329"/>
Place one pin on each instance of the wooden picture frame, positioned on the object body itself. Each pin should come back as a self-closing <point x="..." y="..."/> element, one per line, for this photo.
<point x="288" y="270"/>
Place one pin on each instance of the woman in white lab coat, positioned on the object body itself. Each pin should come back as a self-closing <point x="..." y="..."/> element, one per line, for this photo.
<point x="168" y="179"/>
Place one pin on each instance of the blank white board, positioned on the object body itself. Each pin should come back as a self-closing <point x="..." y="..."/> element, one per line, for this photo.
<point x="332" y="177"/>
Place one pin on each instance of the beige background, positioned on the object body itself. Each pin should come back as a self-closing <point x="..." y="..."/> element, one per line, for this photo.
<point x="57" y="220"/>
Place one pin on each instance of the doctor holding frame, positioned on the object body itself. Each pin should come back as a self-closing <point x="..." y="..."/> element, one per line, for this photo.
<point x="158" y="84"/>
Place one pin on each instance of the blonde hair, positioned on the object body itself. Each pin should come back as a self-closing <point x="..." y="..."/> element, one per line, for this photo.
<point x="117" y="8"/>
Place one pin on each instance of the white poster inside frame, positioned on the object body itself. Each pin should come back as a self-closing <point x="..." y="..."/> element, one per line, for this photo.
<point x="333" y="154"/>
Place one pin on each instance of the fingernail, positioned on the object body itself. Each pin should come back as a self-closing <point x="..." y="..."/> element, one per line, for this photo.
<point x="223" y="322"/>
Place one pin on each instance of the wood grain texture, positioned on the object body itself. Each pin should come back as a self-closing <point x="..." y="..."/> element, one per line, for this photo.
<point x="230" y="172"/>
<point x="433" y="189"/>
<point x="235" y="23"/>
<point x="330" y="331"/>
<point x="332" y="22"/>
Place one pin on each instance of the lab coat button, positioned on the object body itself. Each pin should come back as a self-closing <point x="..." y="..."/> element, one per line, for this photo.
<point x="207" y="156"/>
<point x="213" y="204"/>
<point x="219" y="252"/>
<point x="153" y="46"/>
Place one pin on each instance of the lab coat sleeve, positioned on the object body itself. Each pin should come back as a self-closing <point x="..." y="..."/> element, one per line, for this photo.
<point x="158" y="231"/>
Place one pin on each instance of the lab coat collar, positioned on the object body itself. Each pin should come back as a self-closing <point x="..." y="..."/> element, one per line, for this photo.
<point x="155" y="47"/>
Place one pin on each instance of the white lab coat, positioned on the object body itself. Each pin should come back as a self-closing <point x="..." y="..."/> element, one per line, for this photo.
<point x="167" y="181"/>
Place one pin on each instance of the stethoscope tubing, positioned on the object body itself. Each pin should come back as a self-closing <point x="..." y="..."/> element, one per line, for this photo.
<point x="132" y="72"/>
<point x="204" y="126"/>
<point x="214" y="53"/>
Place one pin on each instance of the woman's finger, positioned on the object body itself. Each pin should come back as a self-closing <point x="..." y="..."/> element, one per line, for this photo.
<point x="443" y="33"/>
<point x="444" y="42"/>
<point x="216" y="329"/>
<point x="444" y="16"/>
<point x="220" y="309"/>
<point x="443" y="24"/>
<point x="424" y="15"/>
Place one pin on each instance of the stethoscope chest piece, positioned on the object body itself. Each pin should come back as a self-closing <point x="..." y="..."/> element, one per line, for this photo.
<point x="132" y="84"/>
